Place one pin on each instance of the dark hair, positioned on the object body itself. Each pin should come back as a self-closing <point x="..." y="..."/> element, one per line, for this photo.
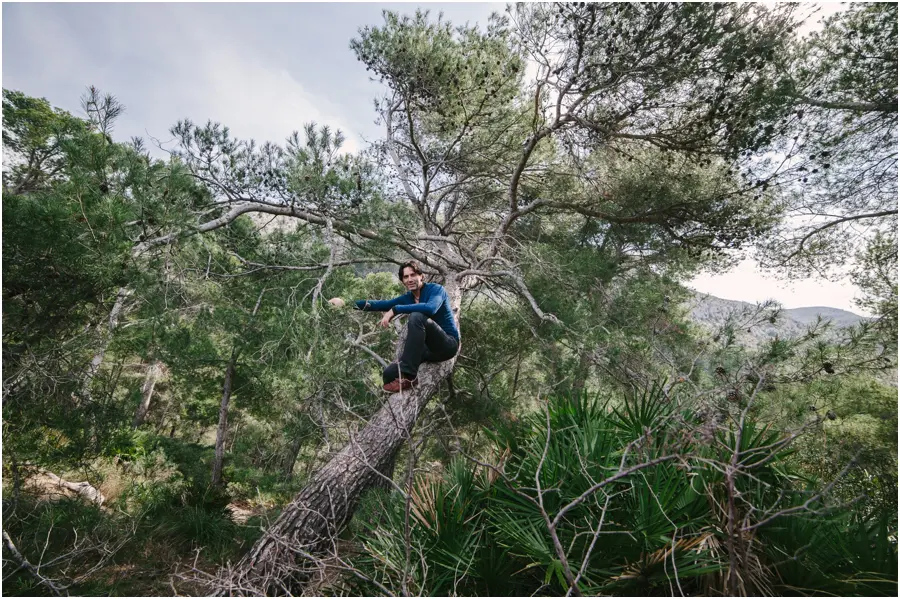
<point x="411" y="264"/>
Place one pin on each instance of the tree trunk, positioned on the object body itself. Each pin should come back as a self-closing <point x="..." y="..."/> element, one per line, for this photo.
<point x="113" y="322"/>
<point x="290" y="458"/>
<point x="17" y="485"/>
<point x="582" y="373"/>
<point x="153" y="372"/>
<point x="234" y="435"/>
<point x="222" y="429"/>
<point x="310" y="522"/>
<point x="223" y="421"/>
<point x="84" y="490"/>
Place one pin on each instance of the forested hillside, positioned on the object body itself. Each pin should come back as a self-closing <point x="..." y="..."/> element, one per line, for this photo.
<point x="184" y="412"/>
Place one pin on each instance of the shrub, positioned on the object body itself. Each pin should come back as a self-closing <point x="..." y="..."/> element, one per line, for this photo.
<point x="680" y="513"/>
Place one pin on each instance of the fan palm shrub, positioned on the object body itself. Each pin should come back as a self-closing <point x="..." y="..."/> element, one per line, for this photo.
<point x="626" y="498"/>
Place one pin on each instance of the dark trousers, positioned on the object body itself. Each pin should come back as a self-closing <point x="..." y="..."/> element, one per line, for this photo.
<point x="425" y="342"/>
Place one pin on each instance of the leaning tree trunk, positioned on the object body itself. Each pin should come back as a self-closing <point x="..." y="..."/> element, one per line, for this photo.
<point x="310" y="523"/>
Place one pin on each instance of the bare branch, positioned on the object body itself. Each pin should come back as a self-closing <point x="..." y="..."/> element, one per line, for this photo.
<point x="833" y="223"/>
<point x="329" y="231"/>
<point x="805" y="505"/>
<point x="619" y="475"/>
<point x="358" y="344"/>
<point x="259" y="266"/>
<point x="252" y="206"/>
<point x="855" y="106"/>
<point x="520" y="284"/>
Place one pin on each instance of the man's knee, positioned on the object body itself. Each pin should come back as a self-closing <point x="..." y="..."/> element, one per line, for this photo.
<point x="417" y="319"/>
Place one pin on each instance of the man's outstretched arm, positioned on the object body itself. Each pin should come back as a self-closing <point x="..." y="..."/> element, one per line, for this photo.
<point x="381" y="305"/>
<point x="371" y="305"/>
<point x="428" y="308"/>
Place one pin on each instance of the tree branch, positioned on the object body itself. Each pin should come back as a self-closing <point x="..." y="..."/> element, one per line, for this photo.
<point x="291" y="211"/>
<point x="859" y="106"/>
<point x="24" y="563"/>
<point x="520" y="284"/>
<point x="833" y="223"/>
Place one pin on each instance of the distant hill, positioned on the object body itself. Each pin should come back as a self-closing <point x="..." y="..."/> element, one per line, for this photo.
<point x="711" y="311"/>
<point x="839" y="318"/>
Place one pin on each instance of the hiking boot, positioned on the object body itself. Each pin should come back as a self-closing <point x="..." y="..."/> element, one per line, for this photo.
<point x="398" y="385"/>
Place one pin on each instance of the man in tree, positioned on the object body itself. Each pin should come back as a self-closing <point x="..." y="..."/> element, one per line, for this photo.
<point x="432" y="335"/>
<point x="496" y="178"/>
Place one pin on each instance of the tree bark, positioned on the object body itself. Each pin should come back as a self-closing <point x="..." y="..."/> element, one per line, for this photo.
<point x="223" y="420"/>
<point x="581" y="375"/>
<point x="309" y="524"/>
<point x="84" y="490"/>
<point x="222" y="429"/>
<point x="94" y="367"/>
<point x="290" y="458"/>
<point x="153" y="373"/>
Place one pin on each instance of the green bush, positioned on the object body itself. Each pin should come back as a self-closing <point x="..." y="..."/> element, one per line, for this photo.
<point x="63" y="536"/>
<point x="857" y="421"/>
<point x="670" y="524"/>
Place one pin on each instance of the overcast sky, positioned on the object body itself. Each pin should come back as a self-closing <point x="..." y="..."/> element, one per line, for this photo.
<point x="261" y="69"/>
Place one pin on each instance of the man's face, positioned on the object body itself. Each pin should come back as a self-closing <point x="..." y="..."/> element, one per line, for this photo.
<point x="412" y="280"/>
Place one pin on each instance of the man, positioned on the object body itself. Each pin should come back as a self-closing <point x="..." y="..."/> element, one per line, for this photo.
<point x="431" y="334"/>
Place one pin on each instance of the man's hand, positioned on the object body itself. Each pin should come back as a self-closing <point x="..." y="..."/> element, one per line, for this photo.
<point x="386" y="320"/>
<point x="336" y="302"/>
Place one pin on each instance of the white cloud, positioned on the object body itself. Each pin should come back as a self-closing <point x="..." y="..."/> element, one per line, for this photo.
<point x="253" y="95"/>
<point x="261" y="101"/>
<point x="165" y="63"/>
<point x="817" y="13"/>
<point x="746" y="282"/>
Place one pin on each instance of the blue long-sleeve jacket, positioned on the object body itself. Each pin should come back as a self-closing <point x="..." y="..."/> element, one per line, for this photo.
<point x="433" y="302"/>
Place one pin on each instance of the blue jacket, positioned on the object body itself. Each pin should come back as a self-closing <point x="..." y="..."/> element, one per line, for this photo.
<point x="433" y="302"/>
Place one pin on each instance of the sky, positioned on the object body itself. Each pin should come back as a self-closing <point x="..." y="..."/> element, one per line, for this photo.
<point x="262" y="69"/>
